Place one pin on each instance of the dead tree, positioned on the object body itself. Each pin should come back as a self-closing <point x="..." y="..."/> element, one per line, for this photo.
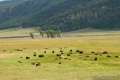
<point x="32" y="35"/>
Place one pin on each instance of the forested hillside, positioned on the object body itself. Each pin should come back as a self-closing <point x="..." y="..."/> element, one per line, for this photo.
<point x="66" y="15"/>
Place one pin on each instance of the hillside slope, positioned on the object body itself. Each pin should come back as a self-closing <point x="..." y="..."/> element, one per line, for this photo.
<point x="66" y="15"/>
<point x="6" y="8"/>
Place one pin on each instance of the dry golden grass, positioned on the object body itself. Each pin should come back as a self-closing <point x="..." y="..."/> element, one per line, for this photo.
<point x="96" y="43"/>
<point x="76" y="69"/>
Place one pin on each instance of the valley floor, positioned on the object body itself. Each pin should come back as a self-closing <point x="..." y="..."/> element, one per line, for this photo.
<point x="67" y="58"/>
<point x="76" y="56"/>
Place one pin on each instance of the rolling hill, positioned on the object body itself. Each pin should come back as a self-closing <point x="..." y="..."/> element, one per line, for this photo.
<point x="66" y="15"/>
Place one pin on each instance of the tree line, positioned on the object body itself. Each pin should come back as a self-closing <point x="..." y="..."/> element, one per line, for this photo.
<point x="48" y="34"/>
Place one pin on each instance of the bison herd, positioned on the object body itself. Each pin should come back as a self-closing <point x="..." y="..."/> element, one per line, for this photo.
<point x="62" y="54"/>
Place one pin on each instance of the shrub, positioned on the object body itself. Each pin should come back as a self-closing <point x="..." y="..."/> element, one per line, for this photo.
<point x="87" y="56"/>
<point x="46" y="48"/>
<point x="4" y="50"/>
<point x="21" y="57"/>
<point x="96" y="54"/>
<point x="60" y="48"/>
<point x="100" y="54"/>
<point x="70" y="53"/>
<point x="24" y="48"/>
<point x="60" y="57"/>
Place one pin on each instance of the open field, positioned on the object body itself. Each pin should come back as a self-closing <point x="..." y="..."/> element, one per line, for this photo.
<point x="68" y="58"/>
<point x="17" y="32"/>
<point x="13" y="32"/>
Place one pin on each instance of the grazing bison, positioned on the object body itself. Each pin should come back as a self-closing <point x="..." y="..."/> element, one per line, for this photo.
<point x="19" y="61"/>
<point x="18" y="50"/>
<point x="108" y="56"/>
<point x="78" y="51"/>
<point x="116" y="56"/>
<point x="58" y="55"/>
<point x="61" y="51"/>
<point x="33" y="63"/>
<point x="59" y="63"/>
<point x="65" y="58"/>
<point x="95" y="59"/>
<point x="71" y="50"/>
<point x="96" y="54"/>
<point x="81" y="52"/>
<point x="21" y="57"/>
<point x="45" y="52"/>
<point x="38" y="64"/>
<point x="93" y="52"/>
<point x="105" y="52"/>
<point x="35" y="54"/>
<point x="27" y="57"/>
<point x="53" y="52"/>
<point x="41" y="55"/>
<point x="68" y="55"/>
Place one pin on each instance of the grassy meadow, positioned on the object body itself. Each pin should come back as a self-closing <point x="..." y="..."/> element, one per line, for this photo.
<point x="68" y="58"/>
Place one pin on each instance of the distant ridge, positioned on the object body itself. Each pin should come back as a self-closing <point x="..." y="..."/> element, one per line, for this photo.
<point x="66" y="15"/>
